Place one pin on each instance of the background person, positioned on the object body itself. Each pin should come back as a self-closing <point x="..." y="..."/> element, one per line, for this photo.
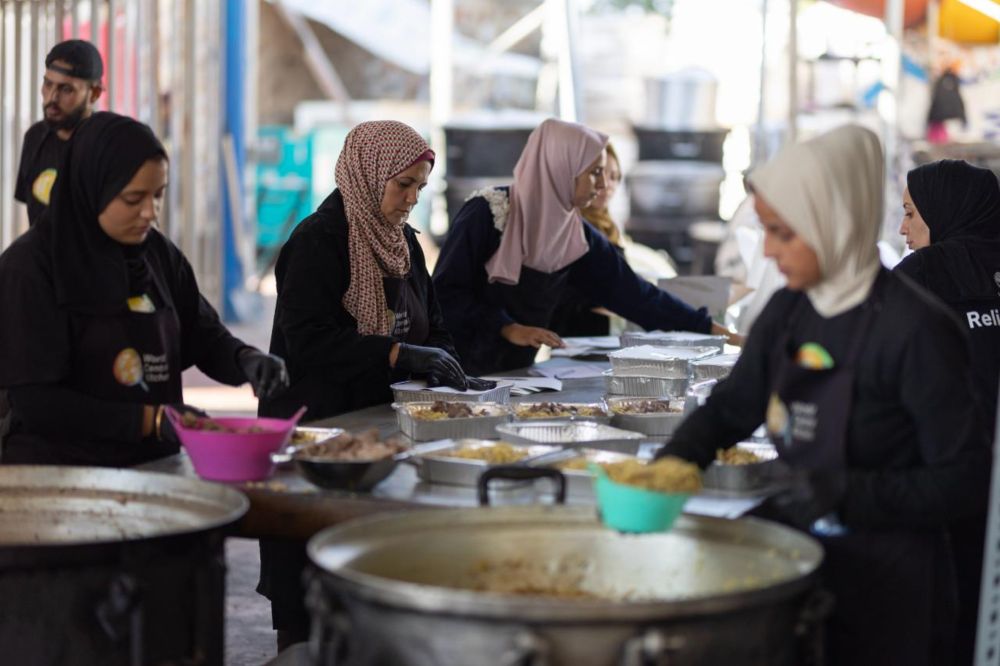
<point x="511" y="253"/>
<point x="951" y="219"/>
<point x="71" y="87"/>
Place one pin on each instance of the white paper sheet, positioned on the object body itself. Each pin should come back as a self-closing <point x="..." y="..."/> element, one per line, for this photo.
<point x="599" y="341"/>
<point x="721" y="507"/>
<point x="575" y="371"/>
<point x="530" y="385"/>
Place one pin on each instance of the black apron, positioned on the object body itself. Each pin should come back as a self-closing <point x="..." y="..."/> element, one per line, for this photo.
<point x="894" y="589"/>
<point x="131" y="357"/>
<point x="530" y="302"/>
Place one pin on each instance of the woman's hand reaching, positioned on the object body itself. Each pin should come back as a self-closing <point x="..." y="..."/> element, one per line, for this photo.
<point x="731" y="338"/>
<point x="530" y="336"/>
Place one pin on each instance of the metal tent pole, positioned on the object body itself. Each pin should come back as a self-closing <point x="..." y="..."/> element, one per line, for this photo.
<point x="793" y="71"/>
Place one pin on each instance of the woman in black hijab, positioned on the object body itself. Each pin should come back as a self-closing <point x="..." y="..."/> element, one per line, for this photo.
<point x="951" y="219"/>
<point x="101" y="313"/>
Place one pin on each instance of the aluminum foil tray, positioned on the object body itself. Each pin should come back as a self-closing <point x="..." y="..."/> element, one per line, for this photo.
<point x="639" y="386"/>
<point x="716" y="367"/>
<point x="499" y="394"/>
<point x="586" y="434"/>
<point x="655" y="424"/>
<point x="672" y="339"/>
<point x="653" y="361"/>
<point x="743" y="479"/>
<point x="579" y="481"/>
<point x="435" y="466"/>
<point x="475" y="427"/>
<point x="603" y="416"/>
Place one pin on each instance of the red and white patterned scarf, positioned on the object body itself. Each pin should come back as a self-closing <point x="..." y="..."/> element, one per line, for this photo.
<point x="373" y="153"/>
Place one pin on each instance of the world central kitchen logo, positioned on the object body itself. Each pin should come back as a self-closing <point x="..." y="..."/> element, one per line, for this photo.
<point x="982" y="319"/>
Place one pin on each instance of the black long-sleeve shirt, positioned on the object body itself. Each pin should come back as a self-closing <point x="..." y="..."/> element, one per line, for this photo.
<point x="53" y="422"/>
<point x="473" y="308"/>
<point x="333" y="368"/>
<point x="917" y="451"/>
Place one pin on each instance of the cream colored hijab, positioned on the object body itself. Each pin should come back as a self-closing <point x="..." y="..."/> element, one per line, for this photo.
<point x="829" y="191"/>
<point x="544" y="230"/>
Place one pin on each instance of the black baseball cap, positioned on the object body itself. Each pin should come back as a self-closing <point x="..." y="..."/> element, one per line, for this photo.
<point x="78" y="58"/>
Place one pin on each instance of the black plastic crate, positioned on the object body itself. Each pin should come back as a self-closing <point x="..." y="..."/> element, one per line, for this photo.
<point x="675" y="144"/>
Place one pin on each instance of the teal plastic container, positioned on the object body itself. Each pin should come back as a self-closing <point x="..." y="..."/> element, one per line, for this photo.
<point x="630" y="509"/>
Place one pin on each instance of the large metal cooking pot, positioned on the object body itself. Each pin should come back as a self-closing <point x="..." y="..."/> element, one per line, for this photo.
<point x="395" y="590"/>
<point x="108" y="566"/>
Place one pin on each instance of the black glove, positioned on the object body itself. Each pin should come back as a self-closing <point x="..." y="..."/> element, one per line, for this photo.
<point x="265" y="372"/>
<point x="477" y="384"/>
<point x="809" y="496"/>
<point x="164" y="427"/>
<point x="437" y="364"/>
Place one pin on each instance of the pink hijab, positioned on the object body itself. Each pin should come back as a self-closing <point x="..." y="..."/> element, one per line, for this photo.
<point x="544" y="231"/>
<point x="373" y="153"/>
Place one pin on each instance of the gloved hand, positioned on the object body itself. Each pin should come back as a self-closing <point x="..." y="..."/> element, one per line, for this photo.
<point x="437" y="364"/>
<point x="164" y="428"/>
<point x="477" y="384"/>
<point x="265" y="372"/>
<point x="809" y="496"/>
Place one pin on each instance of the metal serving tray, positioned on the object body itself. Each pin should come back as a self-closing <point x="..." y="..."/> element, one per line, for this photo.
<point x="586" y="434"/>
<point x="639" y="386"/>
<point x="435" y="466"/>
<point x="578" y="481"/>
<point x="475" y="427"/>
<point x="742" y="479"/>
<point x="716" y="367"/>
<point x="656" y="424"/>
<point x="672" y="339"/>
<point x="653" y="361"/>
<point x="499" y="394"/>
<point x="603" y="417"/>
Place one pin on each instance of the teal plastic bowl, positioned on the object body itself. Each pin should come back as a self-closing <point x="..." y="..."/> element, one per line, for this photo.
<point x="630" y="509"/>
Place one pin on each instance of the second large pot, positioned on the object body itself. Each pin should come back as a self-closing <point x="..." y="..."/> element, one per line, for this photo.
<point x="401" y="589"/>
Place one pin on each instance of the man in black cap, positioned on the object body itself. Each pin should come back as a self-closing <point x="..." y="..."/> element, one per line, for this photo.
<point x="70" y="88"/>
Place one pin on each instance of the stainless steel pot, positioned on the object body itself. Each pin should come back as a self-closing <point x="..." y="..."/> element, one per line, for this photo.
<point x="108" y="566"/>
<point x="397" y="589"/>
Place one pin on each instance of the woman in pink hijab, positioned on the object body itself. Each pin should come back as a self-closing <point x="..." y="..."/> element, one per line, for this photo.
<point x="512" y="251"/>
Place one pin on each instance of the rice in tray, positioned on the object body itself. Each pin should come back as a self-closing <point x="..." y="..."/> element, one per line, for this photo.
<point x="501" y="453"/>
<point x="734" y="455"/>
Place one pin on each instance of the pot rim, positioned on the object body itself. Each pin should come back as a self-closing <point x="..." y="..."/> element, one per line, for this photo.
<point x="470" y="603"/>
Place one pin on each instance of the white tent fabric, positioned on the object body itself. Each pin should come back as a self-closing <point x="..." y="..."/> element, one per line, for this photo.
<point x="398" y="31"/>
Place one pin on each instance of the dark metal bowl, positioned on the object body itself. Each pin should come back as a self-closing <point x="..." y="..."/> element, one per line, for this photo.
<point x="356" y="476"/>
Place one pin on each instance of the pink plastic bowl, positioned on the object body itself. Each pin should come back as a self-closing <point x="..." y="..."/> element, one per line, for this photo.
<point x="226" y="456"/>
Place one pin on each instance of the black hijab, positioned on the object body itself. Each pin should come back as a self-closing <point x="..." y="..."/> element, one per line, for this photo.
<point x="960" y="204"/>
<point x="91" y="272"/>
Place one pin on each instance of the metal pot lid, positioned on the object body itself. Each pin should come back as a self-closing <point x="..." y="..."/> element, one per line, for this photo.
<point x="49" y="505"/>
<point x="432" y="561"/>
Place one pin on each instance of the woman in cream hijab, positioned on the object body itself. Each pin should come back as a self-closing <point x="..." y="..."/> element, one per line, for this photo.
<point x="864" y="384"/>
<point x="512" y="251"/>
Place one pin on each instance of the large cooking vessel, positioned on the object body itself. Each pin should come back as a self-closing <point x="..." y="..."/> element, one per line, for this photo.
<point x="107" y="566"/>
<point x="389" y="591"/>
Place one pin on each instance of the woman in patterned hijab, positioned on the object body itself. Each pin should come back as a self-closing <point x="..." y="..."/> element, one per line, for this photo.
<point x="356" y="311"/>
